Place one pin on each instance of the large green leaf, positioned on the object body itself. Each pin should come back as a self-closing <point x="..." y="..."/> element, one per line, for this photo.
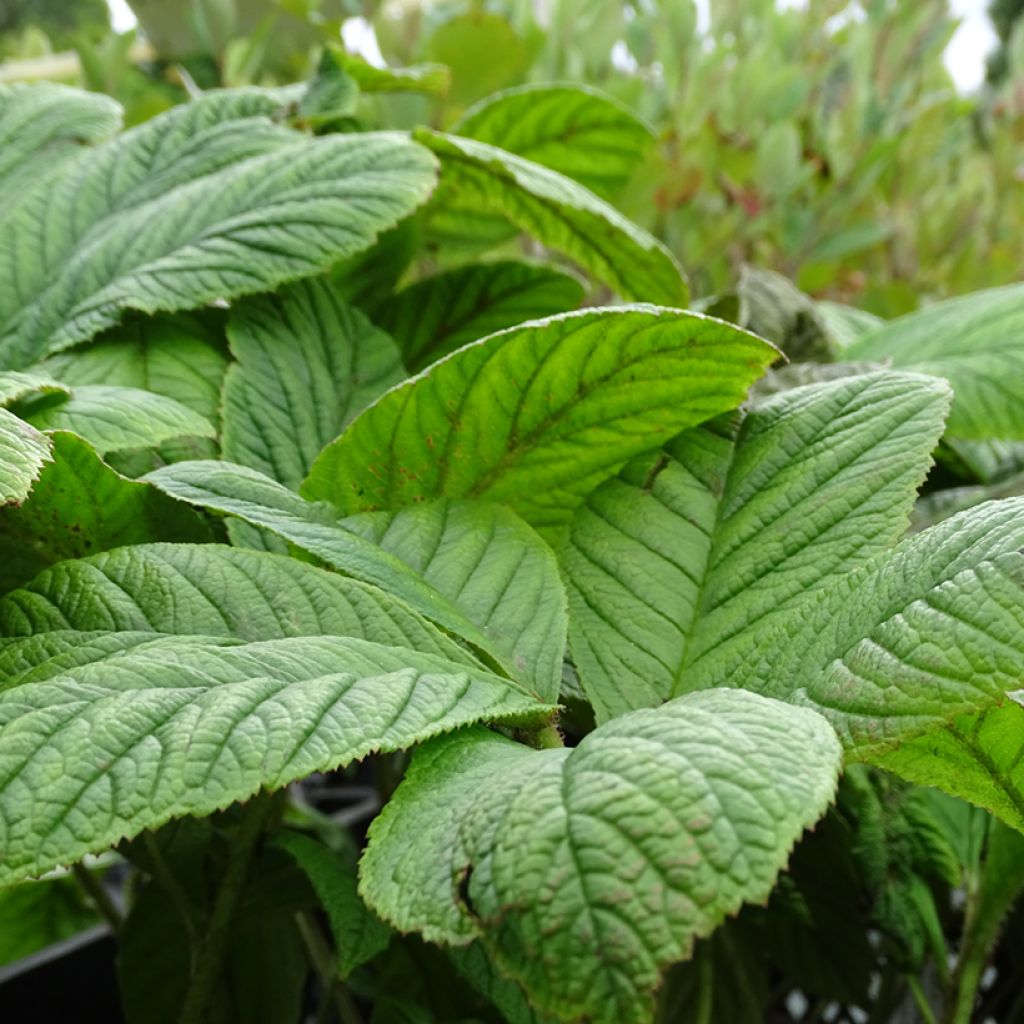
<point x="586" y="872"/>
<point x="39" y="914"/>
<point x="185" y="726"/>
<point x="210" y="590"/>
<point x="241" y="217"/>
<point x="906" y="645"/>
<point x="441" y="313"/>
<point x="43" y="125"/>
<point x="307" y="363"/>
<point x="473" y="568"/>
<point x="115" y="418"/>
<point x="78" y="506"/>
<point x="560" y="213"/>
<point x="572" y="129"/>
<point x="977" y="343"/>
<point x="537" y="416"/>
<point x="24" y="451"/>
<point x="733" y="523"/>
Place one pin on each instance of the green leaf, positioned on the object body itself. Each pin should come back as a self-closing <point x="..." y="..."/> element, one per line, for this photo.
<point x="732" y="525"/>
<point x="24" y="451"/>
<point x="905" y="645"/>
<point x="307" y="363"/>
<point x="500" y="575"/>
<point x="246" y="224"/>
<point x="42" y="126"/>
<point x="441" y="313"/>
<point x="210" y="590"/>
<point x="773" y="307"/>
<point x="432" y="79"/>
<point x="586" y="872"/>
<point x="15" y="387"/>
<point x="845" y="324"/>
<point x="572" y="129"/>
<point x="537" y="416"/>
<point x="472" y="568"/>
<point x="80" y="505"/>
<point x="184" y="726"/>
<point x="561" y="214"/>
<point x="974" y="341"/>
<point x="358" y="934"/>
<point x="112" y="419"/>
<point x="38" y="914"/>
<point x="483" y="51"/>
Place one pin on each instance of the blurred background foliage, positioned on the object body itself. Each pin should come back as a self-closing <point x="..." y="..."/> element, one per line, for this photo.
<point x="824" y="141"/>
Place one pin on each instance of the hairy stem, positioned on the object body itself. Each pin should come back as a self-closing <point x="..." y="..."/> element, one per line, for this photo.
<point x="323" y="962"/>
<point x="96" y="891"/>
<point x="213" y="947"/>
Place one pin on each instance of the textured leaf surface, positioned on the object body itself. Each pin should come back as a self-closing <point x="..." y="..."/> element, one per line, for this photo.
<point x="23" y="453"/>
<point x="976" y="757"/>
<point x="307" y="363"/>
<point x="180" y="726"/>
<point x="477" y="571"/>
<point x="732" y="524"/>
<point x="901" y="647"/>
<point x="561" y="214"/>
<point x="43" y="125"/>
<point x="586" y="872"/>
<point x="15" y="386"/>
<point x="499" y="574"/>
<point x="537" y="416"/>
<point x="211" y="590"/>
<point x="571" y="129"/>
<point x="977" y="343"/>
<point x="245" y="217"/>
<point x="112" y="419"/>
<point x="358" y="934"/>
<point x="79" y="506"/>
<point x="441" y="313"/>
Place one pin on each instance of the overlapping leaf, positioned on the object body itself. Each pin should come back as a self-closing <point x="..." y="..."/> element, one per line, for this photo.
<point x="730" y="524"/>
<point x="584" y="873"/>
<point x="537" y="416"/>
<point x="183" y="726"/>
<point x="560" y="213"/>
<point x="975" y="342"/>
<point x="24" y="451"/>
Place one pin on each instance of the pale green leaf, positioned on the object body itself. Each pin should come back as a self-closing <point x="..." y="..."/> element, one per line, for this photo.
<point x="184" y="726"/>
<point x="15" y="386"/>
<point x="41" y="126"/>
<point x="243" y="216"/>
<point x="80" y="506"/>
<point x="732" y="525"/>
<point x="24" y="451"/>
<point x="586" y="872"/>
<point x="774" y="308"/>
<point x="211" y="590"/>
<point x="572" y="129"/>
<point x="474" y="569"/>
<point x="307" y="363"/>
<point x="441" y="313"/>
<point x="537" y="416"/>
<point x="561" y="214"/>
<point x="114" y="418"/>
<point x="358" y="934"/>
<point x="432" y="79"/>
<point x="976" y="342"/>
<point x="845" y="324"/>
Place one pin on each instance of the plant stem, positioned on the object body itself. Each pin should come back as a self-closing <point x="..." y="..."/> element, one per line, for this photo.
<point x="213" y="948"/>
<point x="547" y="737"/>
<point x="98" y="895"/>
<point x="323" y="962"/>
<point x="164" y="877"/>
<point x="920" y="999"/>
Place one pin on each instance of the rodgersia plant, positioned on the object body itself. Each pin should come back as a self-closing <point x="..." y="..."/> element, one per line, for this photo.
<point x="241" y="547"/>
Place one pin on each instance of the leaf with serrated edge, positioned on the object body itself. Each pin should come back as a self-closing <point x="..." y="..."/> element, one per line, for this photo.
<point x="307" y="363"/>
<point x="561" y="214"/>
<point x="185" y="726"/>
<point x="586" y="872"/>
<point x="976" y="342"/>
<point x="24" y="451"/>
<point x="537" y="416"/>
<point x="669" y="563"/>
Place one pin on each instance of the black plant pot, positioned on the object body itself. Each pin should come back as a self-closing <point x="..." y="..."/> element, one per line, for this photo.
<point x="70" y="982"/>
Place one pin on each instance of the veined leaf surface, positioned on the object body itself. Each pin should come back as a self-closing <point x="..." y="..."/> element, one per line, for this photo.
<point x="23" y="453"/>
<point x="976" y="342"/>
<point x="561" y="214"/>
<point x="733" y="523"/>
<point x="537" y="416"/>
<point x="586" y="872"/>
<point x="185" y="726"/>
